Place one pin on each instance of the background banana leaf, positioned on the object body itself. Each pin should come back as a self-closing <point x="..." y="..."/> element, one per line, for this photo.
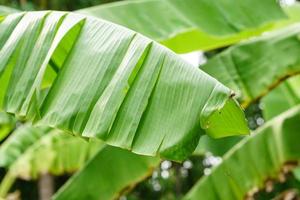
<point x="256" y="59"/>
<point x="188" y="25"/>
<point x="127" y="169"/>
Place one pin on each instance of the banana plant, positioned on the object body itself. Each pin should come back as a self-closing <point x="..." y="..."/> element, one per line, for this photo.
<point x="272" y="149"/>
<point x="95" y="79"/>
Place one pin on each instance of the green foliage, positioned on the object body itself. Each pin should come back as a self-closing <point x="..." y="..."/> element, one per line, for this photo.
<point x="270" y="149"/>
<point x="188" y="25"/>
<point x="137" y="86"/>
<point x="285" y="96"/>
<point x="31" y="151"/>
<point x="95" y="79"/>
<point x="107" y="174"/>
<point x="239" y="65"/>
<point x="52" y="4"/>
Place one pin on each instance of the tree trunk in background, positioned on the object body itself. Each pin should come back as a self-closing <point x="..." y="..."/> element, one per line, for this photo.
<point x="23" y="2"/>
<point x="46" y="187"/>
<point x="43" y="4"/>
<point x="178" y="185"/>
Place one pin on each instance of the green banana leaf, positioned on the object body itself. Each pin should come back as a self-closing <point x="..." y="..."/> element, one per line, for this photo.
<point x="282" y="98"/>
<point x="257" y="59"/>
<point x="18" y="142"/>
<point x="31" y="151"/>
<point x="105" y="176"/>
<point x="187" y="25"/>
<point x="96" y="79"/>
<point x="256" y="159"/>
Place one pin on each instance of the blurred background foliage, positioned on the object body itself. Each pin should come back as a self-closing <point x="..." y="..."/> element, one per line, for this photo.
<point x="52" y="4"/>
<point x="170" y="180"/>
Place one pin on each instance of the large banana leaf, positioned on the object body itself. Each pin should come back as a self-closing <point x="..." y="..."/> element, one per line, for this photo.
<point x="282" y="98"/>
<point x="187" y="25"/>
<point x="96" y="79"/>
<point x="105" y="176"/>
<point x="254" y="160"/>
<point x="268" y="60"/>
